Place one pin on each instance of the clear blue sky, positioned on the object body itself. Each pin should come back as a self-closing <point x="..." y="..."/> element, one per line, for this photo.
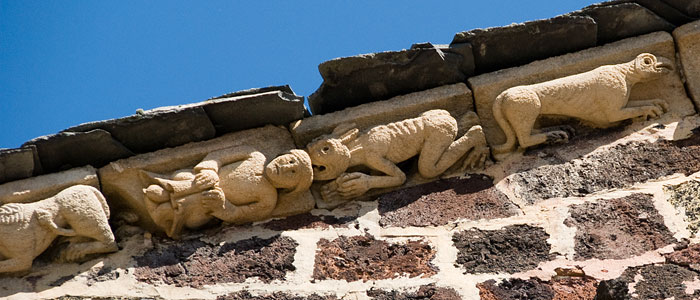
<point x="63" y="63"/>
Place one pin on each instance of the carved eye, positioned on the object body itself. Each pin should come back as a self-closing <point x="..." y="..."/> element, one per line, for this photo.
<point x="647" y="61"/>
<point x="326" y="148"/>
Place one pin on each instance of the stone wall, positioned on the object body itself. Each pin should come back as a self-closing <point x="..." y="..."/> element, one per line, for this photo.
<point x="611" y="213"/>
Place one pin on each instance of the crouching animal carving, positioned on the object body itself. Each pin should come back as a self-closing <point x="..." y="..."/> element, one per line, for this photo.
<point x="431" y="136"/>
<point x="27" y="229"/>
<point x="599" y="96"/>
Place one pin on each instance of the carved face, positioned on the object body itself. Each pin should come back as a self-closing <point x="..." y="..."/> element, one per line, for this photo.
<point x="649" y="65"/>
<point x="330" y="158"/>
<point x="285" y="171"/>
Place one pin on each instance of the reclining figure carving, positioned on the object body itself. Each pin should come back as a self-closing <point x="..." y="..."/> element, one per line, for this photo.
<point x="27" y="229"/>
<point x="431" y="136"/>
<point x="599" y="96"/>
<point x="233" y="185"/>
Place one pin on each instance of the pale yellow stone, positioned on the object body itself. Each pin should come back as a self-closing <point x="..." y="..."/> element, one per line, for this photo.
<point x="687" y="39"/>
<point x="241" y="177"/>
<point x="669" y="87"/>
<point x="44" y="186"/>
<point x="455" y="98"/>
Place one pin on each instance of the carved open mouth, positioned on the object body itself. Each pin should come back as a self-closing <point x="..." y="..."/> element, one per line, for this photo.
<point x="319" y="168"/>
<point x="664" y="65"/>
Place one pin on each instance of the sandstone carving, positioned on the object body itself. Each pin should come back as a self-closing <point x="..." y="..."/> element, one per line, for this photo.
<point x="78" y="213"/>
<point x="234" y="185"/>
<point x="599" y="96"/>
<point x="431" y="136"/>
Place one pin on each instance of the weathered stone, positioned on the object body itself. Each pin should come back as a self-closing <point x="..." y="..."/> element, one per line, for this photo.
<point x="616" y="167"/>
<point x="663" y="281"/>
<point x="426" y="292"/>
<point x="355" y="80"/>
<point x="16" y="163"/>
<point x="66" y="150"/>
<point x="574" y="288"/>
<point x="494" y="47"/>
<point x="364" y="258"/>
<point x="686" y="197"/>
<point x="618" y="228"/>
<point x="239" y="112"/>
<point x="156" y="129"/>
<point x="246" y="295"/>
<point x="669" y="87"/>
<point x="309" y="221"/>
<point x="455" y="98"/>
<point x="664" y="10"/>
<point x="688" y="257"/>
<point x="515" y="288"/>
<point x="445" y="201"/>
<point x="511" y="249"/>
<point x="689" y="7"/>
<point x="622" y="20"/>
<point x="281" y="88"/>
<point x="688" y="42"/>
<point x="613" y="289"/>
<point x="44" y="186"/>
<point x="105" y="298"/>
<point x="123" y="181"/>
<point x="195" y="263"/>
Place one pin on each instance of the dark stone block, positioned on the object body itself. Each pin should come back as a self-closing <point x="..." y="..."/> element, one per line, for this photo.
<point x="16" y="163"/>
<point x="511" y="249"/>
<point x="355" y="80"/>
<point x="531" y="289"/>
<point x="502" y="47"/>
<point x="441" y="202"/>
<point x="668" y="12"/>
<point x="623" y="20"/>
<point x="688" y="257"/>
<point x="688" y="7"/>
<point x="241" y="112"/>
<point x="156" y="129"/>
<point x="66" y="150"/>
<point x="613" y="289"/>
<point x="662" y="281"/>
<point x="309" y="221"/>
<point x="618" y="228"/>
<point x="195" y="263"/>
<point x="427" y="292"/>
<point x="245" y="295"/>
<point x="364" y="258"/>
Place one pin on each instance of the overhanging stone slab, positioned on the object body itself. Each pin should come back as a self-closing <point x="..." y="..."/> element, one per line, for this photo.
<point x="16" y="163"/>
<point x="502" y="47"/>
<point x="688" y="41"/>
<point x="689" y="7"/>
<point x="44" y="186"/>
<point x="670" y="87"/>
<point x="623" y="20"/>
<point x="455" y="98"/>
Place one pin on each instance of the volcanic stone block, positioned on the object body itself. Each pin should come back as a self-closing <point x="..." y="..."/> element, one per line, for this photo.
<point x="515" y="288"/>
<point x="661" y="281"/>
<point x="502" y="47"/>
<point x="688" y="257"/>
<point x="355" y="80"/>
<point x="195" y="263"/>
<point x="617" y="167"/>
<point x="236" y="113"/>
<point x="686" y="197"/>
<point x="364" y="258"/>
<point x="689" y="7"/>
<point x="16" y="163"/>
<point x="487" y="87"/>
<point x="310" y="221"/>
<point x="618" y="228"/>
<point x="44" y="186"/>
<point x="456" y="98"/>
<point x="246" y="295"/>
<point x="121" y="182"/>
<point x="445" y="201"/>
<point x="428" y="292"/>
<point x="67" y="150"/>
<point x="511" y="249"/>
<point x="688" y="41"/>
<point x="156" y="129"/>
<point x="618" y="21"/>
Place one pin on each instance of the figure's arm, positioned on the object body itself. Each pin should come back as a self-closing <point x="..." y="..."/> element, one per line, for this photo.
<point x="356" y="184"/>
<point x="252" y="212"/>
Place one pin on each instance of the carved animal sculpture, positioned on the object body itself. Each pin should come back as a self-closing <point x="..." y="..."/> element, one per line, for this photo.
<point x="599" y="96"/>
<point x="431" y="136"/>
<point x="27" y="229"/>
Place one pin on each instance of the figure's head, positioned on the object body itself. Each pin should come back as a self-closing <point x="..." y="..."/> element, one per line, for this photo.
<point x="648" y="65"/>
<point x="291" y="171"/>
<point x="329" y="155"/>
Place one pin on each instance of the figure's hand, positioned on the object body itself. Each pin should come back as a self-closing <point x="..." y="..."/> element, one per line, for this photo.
<point x="329" y="191"/>
<point x="214" y="199"/>
<point x="206" y="179"/>
<point x="476" y="158"/>
<point x="353" y="184"/>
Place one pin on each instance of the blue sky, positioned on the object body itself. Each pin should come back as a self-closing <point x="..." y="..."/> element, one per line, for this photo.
<point x="63" y="63"/>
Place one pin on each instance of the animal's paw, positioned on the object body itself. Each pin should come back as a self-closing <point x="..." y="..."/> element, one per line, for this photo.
<point x="652" y="112"/>
<point x="353" y="185"/>
<point x="72" y="253"/>
<point x="662" y="104"/>
<point x="557" y="137"/>
<point x="476" y="158"/>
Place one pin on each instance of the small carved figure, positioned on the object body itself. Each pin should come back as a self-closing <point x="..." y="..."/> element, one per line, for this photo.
<point x="26" y="229"/>
<point x="599" y="96"/>
<point x="233" y="185"/>
<point x="431" y="136"/>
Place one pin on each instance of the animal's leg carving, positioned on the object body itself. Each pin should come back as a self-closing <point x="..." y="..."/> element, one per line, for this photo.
<point x="16" y="264"/>
<point x="651" y="102"/>
<point x="440" y="152"/>
<point x="522" y="118"/>
<point x="95" y="229"/>
<point x="46" y="220"/>
<point x="625" y="113"/>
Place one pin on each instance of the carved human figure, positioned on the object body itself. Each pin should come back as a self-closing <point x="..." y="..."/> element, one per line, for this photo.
<point x="233" y="185"/>
<point x="599" y="97"/>
<point x="79" y="212"/>
<point x="430" y="135"/>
